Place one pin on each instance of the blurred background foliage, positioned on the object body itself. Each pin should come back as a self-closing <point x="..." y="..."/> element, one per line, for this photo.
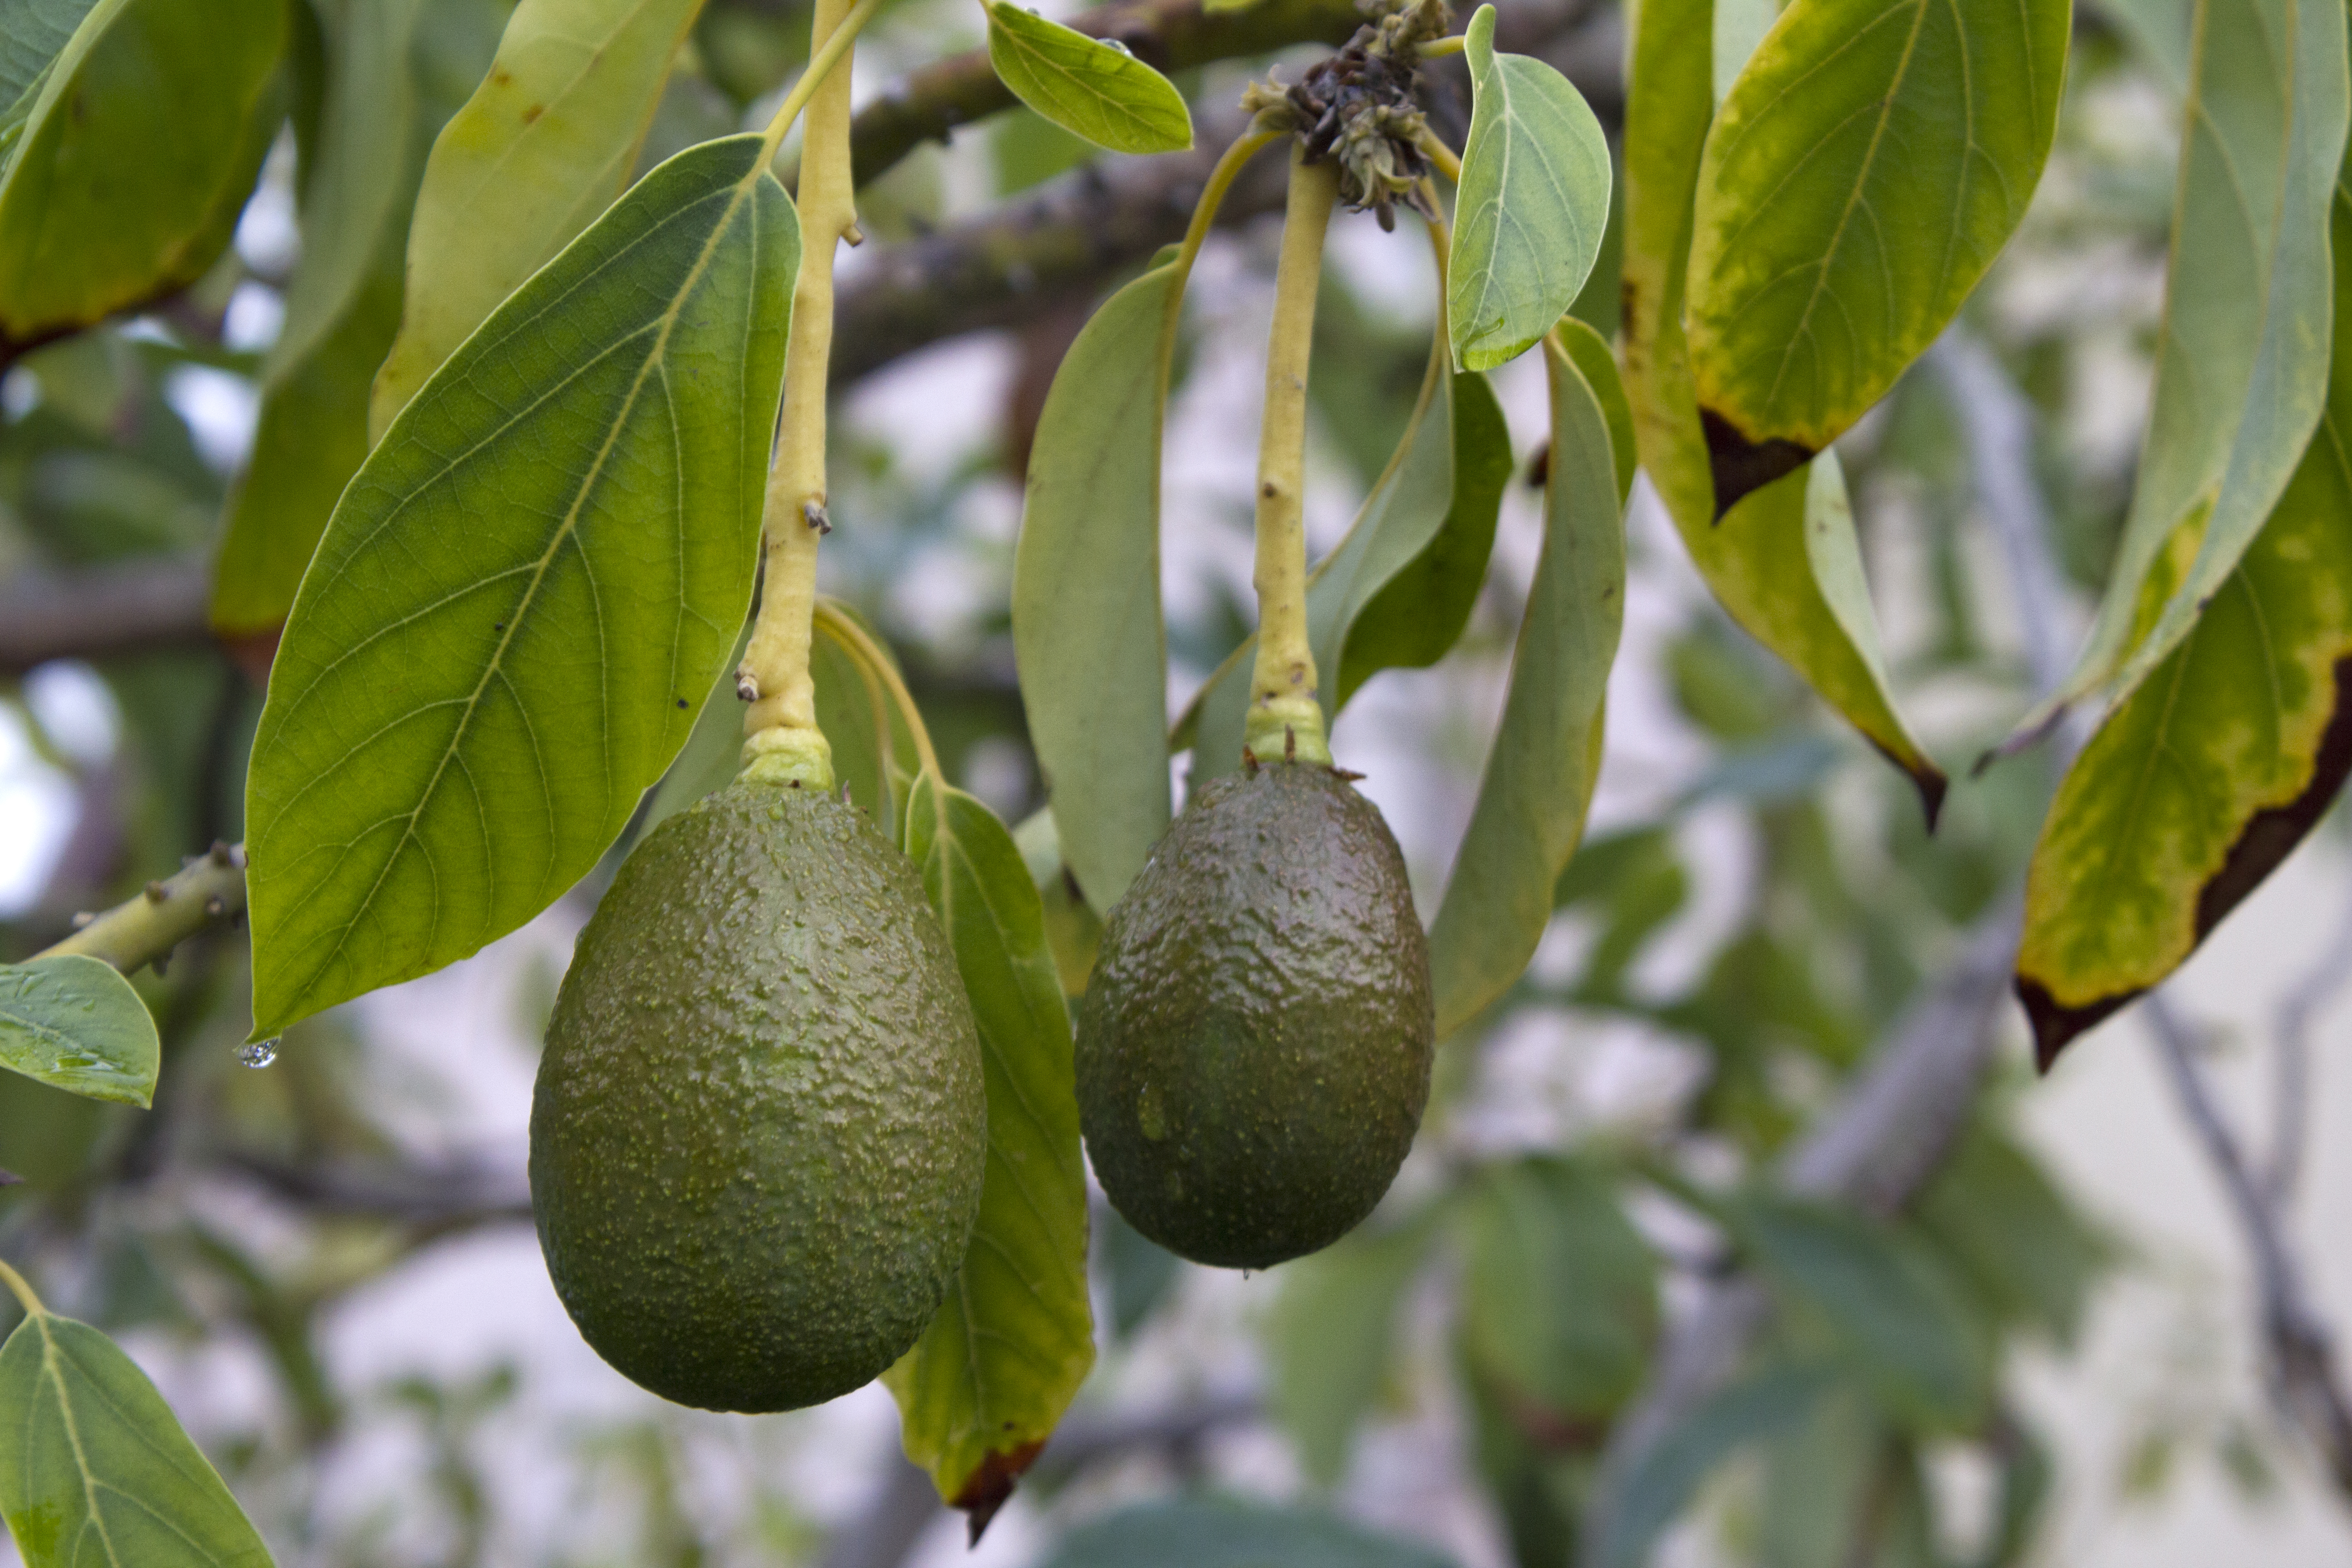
<point x="1754" y="907"/>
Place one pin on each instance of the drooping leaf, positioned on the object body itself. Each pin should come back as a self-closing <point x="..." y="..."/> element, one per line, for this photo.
<point x="2217" y="761"/>
<point x="2018" y="1242"/>
<point x="524" y="594"/>
<point x="1891" y="1309"/>
<point x="1332" y="1333"/>
<point x="543" y="147"/>
<point x="1087" y="636"/>
<point x="1208" y="1532"/>
<point x="95" y="1471"/>
<point x="1759" y="556"/>
<point x="2242" y="350"/>
<point x="73" y="1023"/>
<point x="1560" y="1302"/>
<point x="1531" y="206"/>
<point x="1086" y="85"/>
<point x="1426" y="528"/>
<point x="135" y="158"/>
<point x="1650" y="1498"/>
<point x="32" y="34"/>
<point x="713" y="753"/>
<point x="1547" y="752"/>
<point x="985" y="1386"/>
<point x="1868" y="166"/>
<point x="343" y="306"/>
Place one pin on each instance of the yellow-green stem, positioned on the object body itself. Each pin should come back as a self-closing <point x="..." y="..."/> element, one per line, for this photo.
<point x="146" y="929"/>
<point x="21" y="1291"/>
<point x="1440" y="154"/>
<point x="1285" y="720"/>
<point x="782" y="742"/>
<point x="1204" y="210"/>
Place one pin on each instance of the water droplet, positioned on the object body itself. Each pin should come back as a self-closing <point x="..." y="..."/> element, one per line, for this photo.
<point x="1115" y="44"/>
<point x="257" y="1053"/>
<point x="1151" y="1113"/>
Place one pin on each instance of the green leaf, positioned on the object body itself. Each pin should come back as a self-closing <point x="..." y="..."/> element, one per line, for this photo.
<point x="32" y="34"/>
<point x="985" y="1386"/>
<point x="1087" y="637"/>
<point x="343" y="307"/>
<point x="1868" y="165"/>
<point x="1221" y="1533"/>
<point x="2019" y="1245"/>
<point x="1560" y="1302"/>
<point x="1331" y="1335"/>
<point x="1073" y="931"/>
<point x="1547" y="752"/>
<point x="543" y="146"/>
<point x="1763" y="562"/>
<point x="73" y="1023"/>
<point x="95" y="1471"/>
<point x="1890" y="1307"/>
<point x="1427" y="527"/>
<point x="1530" y="208"/>
<point x="135" y="160"/>
<point x="508" y="627"/>
<point x="2217" y="763"/>
<point x="1085" y="86"/>
<point x="2242" y="350"/>
<point x="1673" y="1469"/>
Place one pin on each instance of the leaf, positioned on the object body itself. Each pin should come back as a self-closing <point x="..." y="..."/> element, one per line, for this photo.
<point x="1538" y="778"/>
<point x="343" y="309"/>
<point x="1427" y="527"/>
<point x="1531" y="206"/>
<point x="713" y="753"/>
<point x="1208" y="1532"/>
<point x="1868" y="166"/>
<point x="1086" y="85"/>
<point x="543" y="146"/>
<point x="1560" y="1302"/>
<point x="1673" y="1469"/>
<point x="1087" y="637"/>
<point x="2241" y="364"/>
<point x="73" y="1022"/>
<point x="135" y="160"/>
<point x="1331" y="1335"/>
<point x="510" y="621"/>
<point x="32" y="34"/>
<point x="1758" y="556"/>
<point x="985" y="1386"/>
<point x="94" y="1469"/>
<point x="1073" y="931"/>
<point x="2019" y="1243"/>
<point x="2215" y="765"/>
<point x="1889" y="1306"/>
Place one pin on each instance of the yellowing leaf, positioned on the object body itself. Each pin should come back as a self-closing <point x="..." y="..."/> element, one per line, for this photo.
<point x="1869" y="163"/>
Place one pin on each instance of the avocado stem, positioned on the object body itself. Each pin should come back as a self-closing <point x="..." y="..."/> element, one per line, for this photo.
<point x="1439" y="155"/>
<point x="782" y="740"/>
<point x="20" y="1289"/>
<point x="1285" y="718"/>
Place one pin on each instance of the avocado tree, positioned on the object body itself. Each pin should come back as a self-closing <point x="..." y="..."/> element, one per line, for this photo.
<point x="510" y="602"/>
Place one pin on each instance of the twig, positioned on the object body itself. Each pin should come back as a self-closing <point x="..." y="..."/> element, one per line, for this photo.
<point x="2302" y="1351"/>
<point x="440" y="1196"/>
<point x="2291" y="1113"/>
<point x="210" y="890"/>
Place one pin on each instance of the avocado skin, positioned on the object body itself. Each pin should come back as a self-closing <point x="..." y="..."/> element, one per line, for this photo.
<point x="1254" y="1049"/>
<point x="760" y="1125"/>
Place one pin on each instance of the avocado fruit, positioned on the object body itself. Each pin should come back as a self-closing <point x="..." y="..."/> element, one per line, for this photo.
<point x="760" y="1127"/>
<point x="1254" y="1048"/>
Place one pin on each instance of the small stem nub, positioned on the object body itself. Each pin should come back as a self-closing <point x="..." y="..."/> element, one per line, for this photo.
<point x="1285" y="720"/>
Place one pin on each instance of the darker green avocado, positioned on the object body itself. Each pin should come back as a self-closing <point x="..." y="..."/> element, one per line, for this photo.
<point x="758" y="1131"/>
<point x="1254" y="1048"/>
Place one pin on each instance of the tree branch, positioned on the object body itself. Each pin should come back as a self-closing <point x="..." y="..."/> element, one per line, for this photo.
<point x="2302" y="1352"/>
<point x="103" y="612"/>
<point x="210" y="890"/>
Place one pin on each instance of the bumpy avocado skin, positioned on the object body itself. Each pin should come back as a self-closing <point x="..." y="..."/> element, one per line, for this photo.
<point x="759" y="1126"/>
<point x="1254" y="1048"/>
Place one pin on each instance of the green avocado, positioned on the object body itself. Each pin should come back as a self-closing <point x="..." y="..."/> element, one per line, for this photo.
<point x="758" y="1131"/>
<point x="1254" y="1048"/>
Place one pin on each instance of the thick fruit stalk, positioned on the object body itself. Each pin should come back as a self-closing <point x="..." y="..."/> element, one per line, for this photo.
<point x="783" y="742"/>
<point x="1285" y="720"/>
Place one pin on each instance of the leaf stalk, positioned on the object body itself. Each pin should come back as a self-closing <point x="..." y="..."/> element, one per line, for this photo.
<point x="876" y="666"/>
<point x="1285" y="720"/>
<point x="22" y="1291"/>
